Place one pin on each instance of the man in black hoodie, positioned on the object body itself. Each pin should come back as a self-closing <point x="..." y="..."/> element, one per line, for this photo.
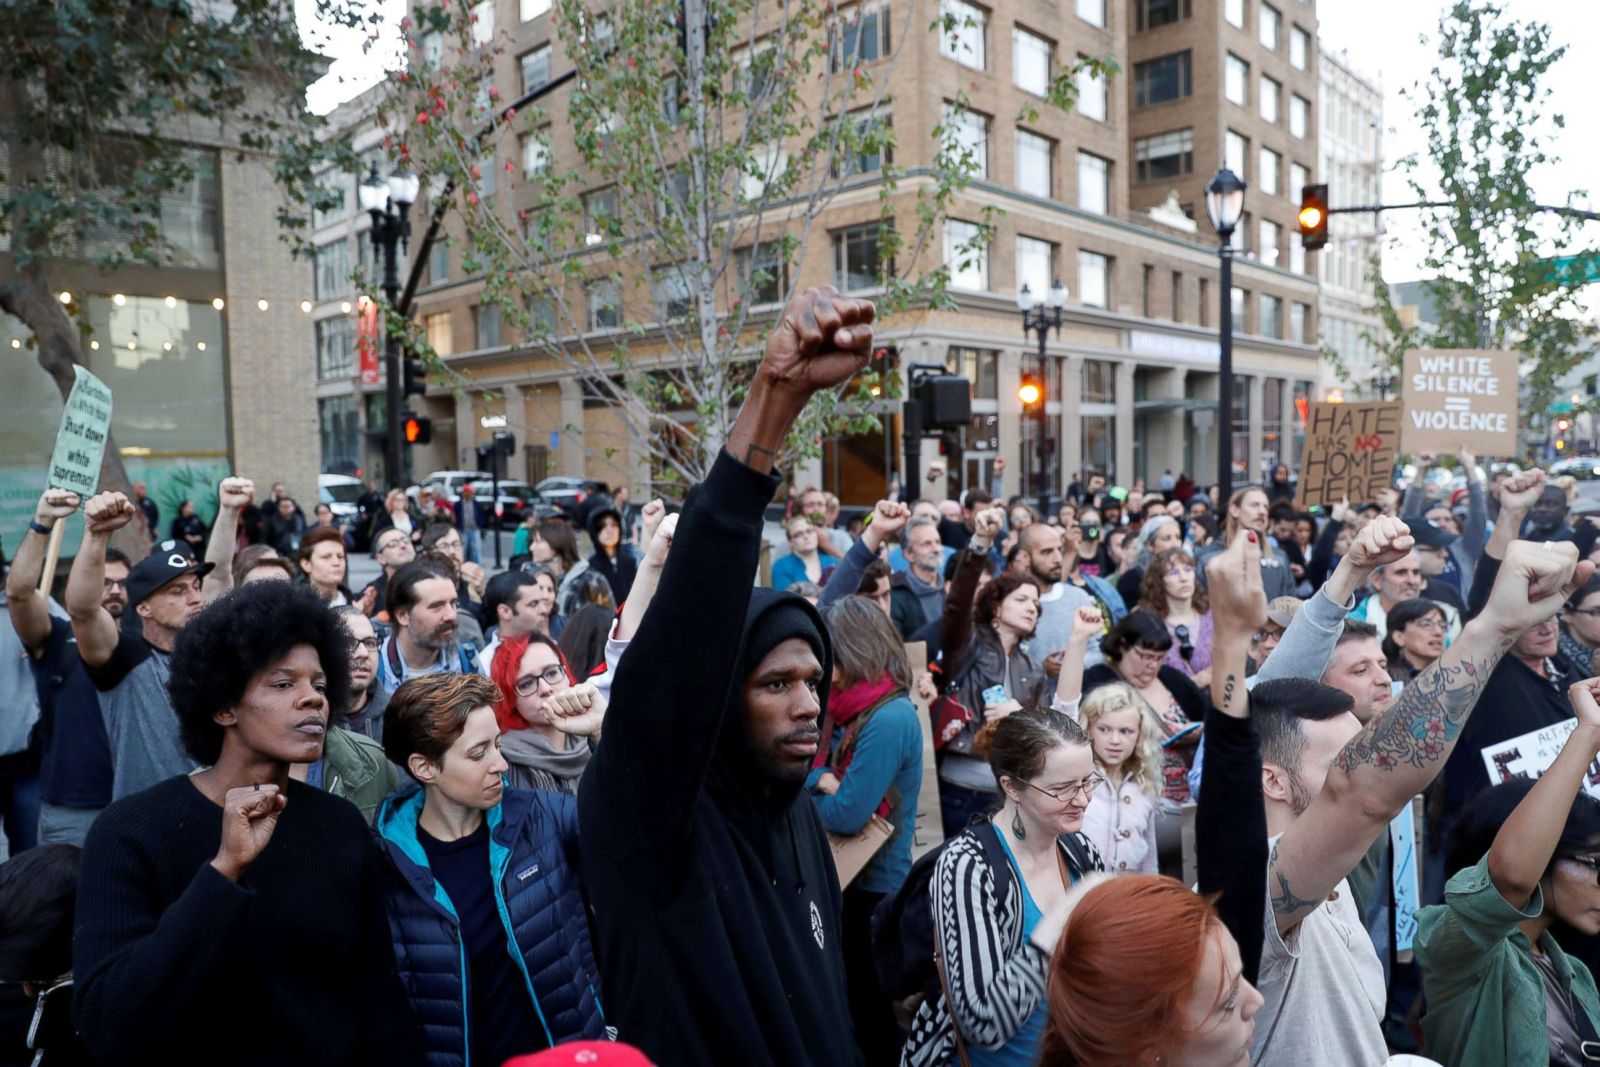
<point x="715" y="897"/>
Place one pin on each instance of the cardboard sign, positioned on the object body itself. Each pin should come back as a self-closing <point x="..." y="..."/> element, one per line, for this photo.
<point x="851" y="854"/>
<point x="930" y="819"/>
<point x="81" y="441"/>
<point x="1407" y="887"/>
<point x="1531" y="755"/>
<point x="1459" y="396"/>
<point x="1350" y="451"/>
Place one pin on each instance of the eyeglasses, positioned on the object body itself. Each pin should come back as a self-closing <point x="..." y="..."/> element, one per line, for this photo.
<point x="1591" y="862"/>
<point x="1146" y="656"/>
<point x="368" y="643"/>
<point x="1425" y="624"/>
<point x="1263" y="636"/>
<point x="553" y="675"/>
<point x="1084" y="788"/>
<point x="1593" y="613"/>
<point x="113" y="583"/>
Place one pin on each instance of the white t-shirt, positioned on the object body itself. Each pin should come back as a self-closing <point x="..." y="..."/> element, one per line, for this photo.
<point x="1326" y="983"/>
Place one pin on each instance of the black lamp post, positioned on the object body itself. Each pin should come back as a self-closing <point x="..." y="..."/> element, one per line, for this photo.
<point x="1225" y="206"/>
<point x="1382" y="383"/>
<point x="388" y="201"/>
<point x="1039" y="321"/>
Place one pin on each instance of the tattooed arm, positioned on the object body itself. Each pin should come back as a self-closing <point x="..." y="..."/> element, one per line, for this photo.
<point x="1401" y="751"/>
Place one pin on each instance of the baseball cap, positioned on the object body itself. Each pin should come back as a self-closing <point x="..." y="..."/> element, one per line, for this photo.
<point x="1430" y="536"/>
<point x="168" y="561"/>
<point x="1283" y="609"/>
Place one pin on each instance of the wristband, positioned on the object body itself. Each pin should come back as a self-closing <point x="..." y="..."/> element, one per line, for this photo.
<point x="38" y="527"/>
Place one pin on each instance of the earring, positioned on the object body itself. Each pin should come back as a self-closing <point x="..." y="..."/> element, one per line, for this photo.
<point x="1017" y="828"/>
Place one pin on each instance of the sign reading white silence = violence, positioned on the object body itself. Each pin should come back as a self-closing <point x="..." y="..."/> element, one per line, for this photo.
<point x="1460" y="397"/>
<point x="81" y="441"/>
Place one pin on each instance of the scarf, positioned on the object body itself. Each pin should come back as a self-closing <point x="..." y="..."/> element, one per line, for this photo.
<point x="844" y="707"/>
<point x="529" y="749"/>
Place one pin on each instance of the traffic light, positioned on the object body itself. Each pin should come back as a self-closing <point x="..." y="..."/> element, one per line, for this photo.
<point x="414" y="375"/>
<point x="416" y="429"/>
<point x="1313" y="216"/>
<point x="1030" y="392"/>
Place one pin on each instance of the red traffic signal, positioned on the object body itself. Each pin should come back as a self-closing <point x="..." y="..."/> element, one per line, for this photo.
<point x="1313" y="216"/>
<point x="416" y="429"/>
<point x="1030" y="392"/>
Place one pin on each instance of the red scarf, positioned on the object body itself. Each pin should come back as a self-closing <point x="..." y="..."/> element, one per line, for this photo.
<point x="844" y="706"/>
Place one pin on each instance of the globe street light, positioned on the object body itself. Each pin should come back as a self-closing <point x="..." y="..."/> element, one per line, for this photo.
<point x="1039" y="321"/>
<point x="388" y="201"/>
<point x="1225" y="206"/>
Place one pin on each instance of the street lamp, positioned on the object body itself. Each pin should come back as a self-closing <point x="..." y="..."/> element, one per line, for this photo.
<point x="1039" y="321"/>
<point x="389" y="202"/>
<point x="1225" y="206"/>
<point x="1382" y="382"/>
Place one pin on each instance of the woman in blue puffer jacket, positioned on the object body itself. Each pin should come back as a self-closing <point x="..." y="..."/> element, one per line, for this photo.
<point x="484" y="898"/>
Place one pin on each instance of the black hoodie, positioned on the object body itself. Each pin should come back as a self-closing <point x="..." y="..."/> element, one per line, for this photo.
<point x="716" y="904"/>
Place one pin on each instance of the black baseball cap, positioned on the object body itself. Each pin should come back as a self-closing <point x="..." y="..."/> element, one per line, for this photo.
<point x="168" y="561"/>
<point x="1430" y="536"/>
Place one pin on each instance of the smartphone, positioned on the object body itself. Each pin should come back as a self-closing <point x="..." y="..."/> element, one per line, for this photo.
<point x="1193" y="727"/>
<point x="995" y="694"/>
<point x="1091" y="530"/>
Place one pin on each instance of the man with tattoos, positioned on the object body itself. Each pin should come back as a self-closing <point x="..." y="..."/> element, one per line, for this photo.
<point x="1333" y="789"/>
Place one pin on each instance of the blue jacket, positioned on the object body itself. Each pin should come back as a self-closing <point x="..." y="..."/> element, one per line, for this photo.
<point x="788" y="570"/>
<point x="533" y="852"/>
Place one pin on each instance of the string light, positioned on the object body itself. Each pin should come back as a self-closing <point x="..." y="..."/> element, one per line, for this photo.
<point x="130" y="346"/>
<point x="94" y="346"/>
<point x="172" y="301"/>
<point x="262" y="304"/>
<point x="345" y="307"/>
<point x="119" y="300"/>
<point x="15" y="343"/>
<point x="166" y="346"/>
<point x="201" y="346"/>
<point x="218" y="304"/>
<point x="66" y="297"/>
<point x="305" y="305"/>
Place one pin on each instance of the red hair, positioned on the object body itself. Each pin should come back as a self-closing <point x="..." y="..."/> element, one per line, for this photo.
<point x="504" y="670"/>
<point x="1123" y="973"/>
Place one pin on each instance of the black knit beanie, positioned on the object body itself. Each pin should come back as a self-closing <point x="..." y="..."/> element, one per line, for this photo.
<point x="773" y="619"/>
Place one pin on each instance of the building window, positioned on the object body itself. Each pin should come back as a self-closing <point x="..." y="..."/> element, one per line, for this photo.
<point x="600" y="214"/>
<point x="433" y="49"/>
<point x="962" y="32"/>
<point x="535" y="154"/>
<point x="1233" y="11"/>
<point x="1236" y="153"/>
<point x="1299" y="48"/>
<point x="1297" y="180"/>
<point x="772" y="166"/>
<point x="332" y="276"/>
<point x="1163" y="80"/>
<point x="1267" y="176"/>
<point x="1267" y="23"/>
<point x="341" y="433"/>
<point x="1177" y="297"/>
<point x="1035" y="164"/>
<point x="1239" y="299"/>
<point x="1099" y="381"/>
<point x="1299" y="115"/>
<point x="1036" y="266"/>
<point x="763" y="274"/>
<point x="1094" y="280"/>
<point x="1094" y="95"/>
<point x="1271" y="240"/>
<point x="1030" y="61"/>
<point x="1204" y="303"/>
<point x="1094" y="183"/>
<point x="1271" y="92"/>
<point x="858" y="257"/>
<point x="336" y="347"/>
<point x="966" y="255"/>
<point x="441" y="334"/>
<point x="980" y="366"/>
<point x="871" y="143"/>
<point x="1242" y="233"/>
<point x="969" y="134"/>
<point x="1236" y="80"/>
<point x="532" y="9"/>
<point x="1166" y="155"/>
<point x="1297" y="257"/>
<point x="482" y="19"/>
<point x="1271" y="316"/>
<point x="486" y="321"/>
<point x="604" y="299"/>
<point x="439" y="262"/>
<point x="535" y="68"/>
<point x="669" y="289"/>
<point x="861" y="35"/>
<point x="1241" y="426"/>
<point x="1297" y="323"/>
<point x="1092" y="11"/>
<point x="1153" y="14"/>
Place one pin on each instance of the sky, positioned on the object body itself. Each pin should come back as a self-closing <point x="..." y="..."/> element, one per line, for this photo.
<point x="1379" y="38"/>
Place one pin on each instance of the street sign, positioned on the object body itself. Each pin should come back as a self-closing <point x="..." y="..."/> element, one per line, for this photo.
<point x="1575" y="270"/>
<point x="1459" y="397"/>
<point x="81" y="441"/>
<point x="1350" y="452"/>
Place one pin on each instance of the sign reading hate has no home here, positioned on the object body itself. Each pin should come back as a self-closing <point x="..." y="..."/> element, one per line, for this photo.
<point x="1460" y="396"/>
<point x="1350" y="452"/>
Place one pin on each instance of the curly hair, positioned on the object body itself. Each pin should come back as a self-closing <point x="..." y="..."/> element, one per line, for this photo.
<point x="1143" y="764"/>
<point x="989" y="600"/>
<point x="1153" y="587"/>
<point x="236" y="638"/>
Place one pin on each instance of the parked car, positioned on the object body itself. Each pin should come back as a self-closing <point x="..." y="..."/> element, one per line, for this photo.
<point x="340" y="492"/>
<point x="1583" y="468"/>
<point x="516" y="502"/>
<point x="446" y="485"/>
<point x="569" y="494"/>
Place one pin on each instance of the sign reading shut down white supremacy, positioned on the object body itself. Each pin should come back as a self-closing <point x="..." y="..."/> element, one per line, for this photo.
<point x="1457" y="397"/>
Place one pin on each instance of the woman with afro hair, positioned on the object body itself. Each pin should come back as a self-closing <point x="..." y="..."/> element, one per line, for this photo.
<point x="236" y="914"/>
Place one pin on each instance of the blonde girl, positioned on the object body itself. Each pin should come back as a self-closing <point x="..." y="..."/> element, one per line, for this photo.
<point x="1126" y="737"/>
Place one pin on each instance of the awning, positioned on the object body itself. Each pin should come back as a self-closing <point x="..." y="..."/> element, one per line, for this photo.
<point x="1173" y="403"/>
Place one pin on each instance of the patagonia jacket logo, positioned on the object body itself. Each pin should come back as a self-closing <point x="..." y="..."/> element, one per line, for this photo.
<point x="528" y="872"/>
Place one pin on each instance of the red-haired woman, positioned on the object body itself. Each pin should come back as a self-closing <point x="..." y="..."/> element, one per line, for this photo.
<point x="1147" y="973"/>
<point x="529" y="669"/>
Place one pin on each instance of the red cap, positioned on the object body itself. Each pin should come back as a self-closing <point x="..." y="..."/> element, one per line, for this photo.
<point x="584" y="1054"/>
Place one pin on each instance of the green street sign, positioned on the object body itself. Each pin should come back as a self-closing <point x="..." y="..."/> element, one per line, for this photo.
<point x="1575" y="270"/>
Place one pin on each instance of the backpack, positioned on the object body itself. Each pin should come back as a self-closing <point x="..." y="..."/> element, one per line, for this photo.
<point x="903" y="933"/>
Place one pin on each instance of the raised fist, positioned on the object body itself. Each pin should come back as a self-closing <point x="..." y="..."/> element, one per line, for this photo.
<point x="108" y="512"/>
<point x="236" y="493"/>
<point x="1381" y="541"/>
<point x="55" y="505"/>
<point x="821" y="340"/>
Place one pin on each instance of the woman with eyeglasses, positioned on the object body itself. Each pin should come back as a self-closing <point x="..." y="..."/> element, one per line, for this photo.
<point x="1171" y="590"/>
<point x="1415" y="638"/>
<point x="1580" y="627"/>
<point x="804" y="563"/>
<point x="1001" y="897"/>
<point x="1136" y="652"/>
<point x="1524" y="861"/>
<point x="529" y="669"/>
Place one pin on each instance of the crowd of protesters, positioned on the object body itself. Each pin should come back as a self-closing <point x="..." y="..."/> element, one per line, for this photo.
<point x="1211" y="775"/>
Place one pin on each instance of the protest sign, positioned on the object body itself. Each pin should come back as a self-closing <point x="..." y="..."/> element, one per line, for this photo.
<point x="80" y="446"/>
<point x="1531" y="754"/>
<point x="1350" y="451"/>
<point x="1457" y="397"/>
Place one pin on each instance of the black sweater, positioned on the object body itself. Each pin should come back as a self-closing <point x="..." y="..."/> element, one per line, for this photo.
<point x="1230" y="832"/>
<point x="717" y="911"/>
<point x="292" y="965"/>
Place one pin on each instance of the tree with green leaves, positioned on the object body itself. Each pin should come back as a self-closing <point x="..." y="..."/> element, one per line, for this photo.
<point x="99" y="100"/>
<point x="642" y="228"/>
<point x="1488" y="126"/>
